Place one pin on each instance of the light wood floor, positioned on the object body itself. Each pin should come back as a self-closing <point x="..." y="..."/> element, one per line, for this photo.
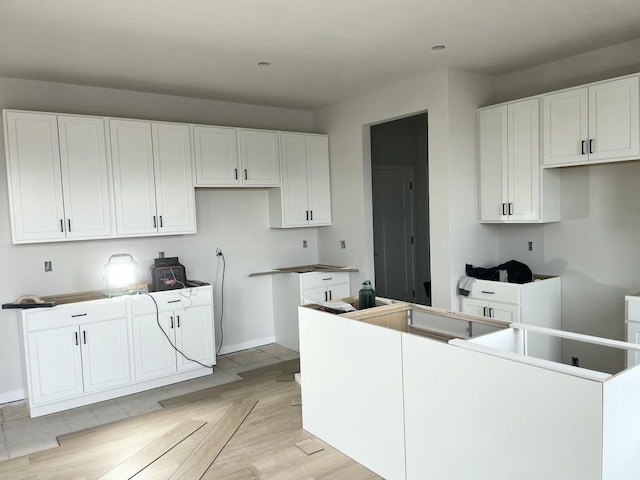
<point x="262" y="448"/>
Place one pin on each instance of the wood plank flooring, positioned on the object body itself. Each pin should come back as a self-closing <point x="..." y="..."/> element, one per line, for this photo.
<point x="263" y="447"/>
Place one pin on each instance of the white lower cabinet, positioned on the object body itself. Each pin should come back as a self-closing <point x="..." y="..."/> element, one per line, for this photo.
<point x="293" y="289"/>
<point x="536" y="303"/>
<point x="86" y="352"/>
<point x="632" y="320"/>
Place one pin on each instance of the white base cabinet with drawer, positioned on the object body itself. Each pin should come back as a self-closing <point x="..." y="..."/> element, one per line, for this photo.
<point x="293" y="289"/>
<point x="535" y="303"/>
<point x="632" y="320"/>
<point x="87" y="352"/>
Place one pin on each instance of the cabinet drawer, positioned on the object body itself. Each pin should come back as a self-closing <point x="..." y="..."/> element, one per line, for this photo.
<point x="322" y="279"/>
<point x="496" y="291"/>
<point x="171" y="300"/>
<point x="74" y="314"/>
<point x="633" y="309"/>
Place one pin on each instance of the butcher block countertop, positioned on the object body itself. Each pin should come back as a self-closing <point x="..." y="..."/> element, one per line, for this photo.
<point x="318" y="267"/>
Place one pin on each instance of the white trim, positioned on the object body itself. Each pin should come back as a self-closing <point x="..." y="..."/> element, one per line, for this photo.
<point x="576" y="336"/>
<point x="259" y="342"/>
<point x="12" y="396"/>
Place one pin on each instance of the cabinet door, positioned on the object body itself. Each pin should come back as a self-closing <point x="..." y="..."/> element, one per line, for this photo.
<point x="55" y="367"/>
<point x="35" y="182"/>
<point x="153" y="355"/>
<point x="105" y="354"/>
<point x="492" y="126"/>
<point x="175" y="194"/>
<point x="133" y="177"/>
<point x="195" y="337"/>
<point x="314" y="295"/>
<point x="566" y="127"/>
<point x="523" y="160"/>
<point x="259" y="157"/>
<point x="504" y="311"/>
<point x="337" y="292"/>
<point x="318" y="180"/>
<point x="83" y="159"/>
<point x="474" y="306"/>
<point x="216" y="155"/>
<point x="613" y="119"/>
<point x="294" y="180"/>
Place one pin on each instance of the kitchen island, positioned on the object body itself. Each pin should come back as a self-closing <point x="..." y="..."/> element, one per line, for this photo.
<point x="410" y="405"/>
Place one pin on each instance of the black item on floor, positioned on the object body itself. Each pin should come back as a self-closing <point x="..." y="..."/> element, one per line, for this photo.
<point x="517" y="272"/>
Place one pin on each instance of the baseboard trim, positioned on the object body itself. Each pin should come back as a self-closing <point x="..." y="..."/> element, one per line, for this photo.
<point x="259" y="342"/>
<point x="13" y="396"/>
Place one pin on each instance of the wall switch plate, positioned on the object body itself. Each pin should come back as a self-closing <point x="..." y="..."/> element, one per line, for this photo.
<point x="48" y="267"/>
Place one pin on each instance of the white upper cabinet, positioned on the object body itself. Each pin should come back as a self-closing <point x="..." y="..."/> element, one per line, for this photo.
<point x="596" y="123"/>
<point x="58" y="177"/>
<point x="153" y="180"/>
<point x="175" y="195"/>
<point x="216" y="156"/>
<point x="259" y="157"/>
<point x="305" y="197"/>
<point x="512" y="182"/>
<point x="85" y="176"/>
<point x="236" y="157"/>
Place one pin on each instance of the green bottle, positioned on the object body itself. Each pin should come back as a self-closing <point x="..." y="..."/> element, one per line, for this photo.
<point x="367" y="297"/>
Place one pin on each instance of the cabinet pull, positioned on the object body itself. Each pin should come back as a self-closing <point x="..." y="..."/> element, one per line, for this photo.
<point x="84" y="337"/>
<point x="171" y="317"/>
<point x="325" y="296"/>
<point x="484" y="311"/>
<point x="511" y="209"/>
<point x="173" y="301"/>
<point x="490" y="312"/>
<point x="160" y="221"/>
<point x="76" y="334"/>
<point x="584" y="149"/>
<point x="79" y="315"/>
<point x="69" y="224"/>
<point x="591" y="145"/>
<point x="487" y="291"/>
<point x="235" y="172"/>
<point x="504" y="209"/>
<point x="61" y="226"/>
<point x="245" y="174"/>
<point x="154" y="222"/>
<point x="178" y="320"/>
<point x="330" y="295"/>
<point x="328" y="278"/>
<point x="311" y="215"/>
<point x="307" y="214"/>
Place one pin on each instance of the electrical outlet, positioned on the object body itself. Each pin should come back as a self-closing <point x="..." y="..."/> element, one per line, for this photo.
<point x="218" y="252"/>
<point x="304" y="244"/>
<point x="343" y="244"/>
<point x="160" y="254"/>
<point x="48" y="267"/>
<point x="575" y="361"/>
<point x="530" y="246"/>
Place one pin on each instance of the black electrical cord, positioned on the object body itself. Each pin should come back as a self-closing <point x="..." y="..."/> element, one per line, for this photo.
<point x="167" y="336"/>
<point x="224" y="268"/>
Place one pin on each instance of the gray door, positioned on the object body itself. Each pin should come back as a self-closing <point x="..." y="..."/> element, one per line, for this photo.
<point x="393" y="231"/>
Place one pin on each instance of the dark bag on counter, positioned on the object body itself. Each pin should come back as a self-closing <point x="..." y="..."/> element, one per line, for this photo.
<point x="517" y="272"/>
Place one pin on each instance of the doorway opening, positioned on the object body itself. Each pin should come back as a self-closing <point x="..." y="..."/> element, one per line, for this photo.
<point x="400" y="198"/>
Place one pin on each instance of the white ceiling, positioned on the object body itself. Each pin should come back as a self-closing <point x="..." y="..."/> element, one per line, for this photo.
<point x="321" y="51"/>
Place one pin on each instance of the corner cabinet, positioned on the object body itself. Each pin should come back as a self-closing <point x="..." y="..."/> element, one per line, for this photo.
<point x="513" y="187"/>
<point x="305" y="197"/>
<point x="592" y="124"/>
<point x="58" y="177"/>
<point x="153" y="180"/>
<point x="86" y="352"/>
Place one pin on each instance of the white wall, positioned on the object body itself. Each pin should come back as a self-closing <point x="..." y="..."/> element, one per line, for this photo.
<point x="595" y="246"/>
<point x="450" y="97"/>
<point x="234" y="220"/>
